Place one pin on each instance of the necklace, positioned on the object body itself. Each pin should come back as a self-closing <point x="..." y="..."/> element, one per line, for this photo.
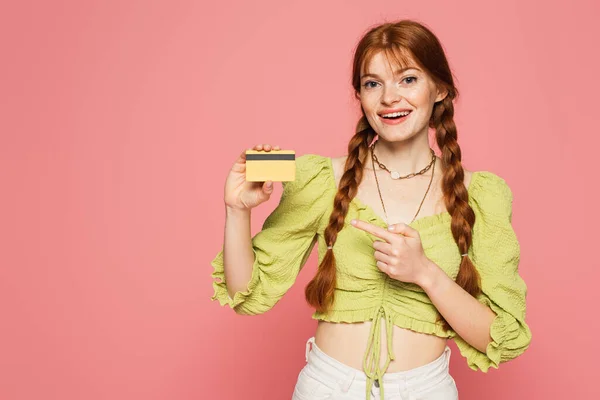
<point x="397" y="176"/>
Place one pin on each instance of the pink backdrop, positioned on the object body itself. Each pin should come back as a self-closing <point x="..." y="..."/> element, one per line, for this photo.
<point x="120" y="120"/>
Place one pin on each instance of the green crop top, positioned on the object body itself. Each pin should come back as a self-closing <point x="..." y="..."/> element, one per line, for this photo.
<point x="363" y="292"/>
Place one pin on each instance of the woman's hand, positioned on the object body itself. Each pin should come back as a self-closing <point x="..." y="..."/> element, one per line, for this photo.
<point x="400" y="255"/>
<point x="242" y="195"/>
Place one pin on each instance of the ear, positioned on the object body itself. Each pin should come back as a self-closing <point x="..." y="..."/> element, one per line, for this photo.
<point x="441" y="95"/>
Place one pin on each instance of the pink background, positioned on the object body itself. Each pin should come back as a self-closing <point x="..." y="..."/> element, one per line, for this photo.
<point x="121" y="119"/>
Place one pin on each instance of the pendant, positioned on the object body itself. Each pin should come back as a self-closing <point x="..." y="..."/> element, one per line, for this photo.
<point x="395" y="175"/>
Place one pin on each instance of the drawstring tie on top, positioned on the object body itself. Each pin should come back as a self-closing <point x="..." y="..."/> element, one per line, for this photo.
<point x="371" y="364"/>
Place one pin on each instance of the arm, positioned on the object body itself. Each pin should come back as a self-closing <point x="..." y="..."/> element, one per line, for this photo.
<point x="468" y="317"/>
<point x="279" y="250"/>
<point x="238" y="256"/>
<point x="494" y="330"/>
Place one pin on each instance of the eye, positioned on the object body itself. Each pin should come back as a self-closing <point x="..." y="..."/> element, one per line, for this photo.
<point x="366" y="84"/>
<point x="411" y="77"/>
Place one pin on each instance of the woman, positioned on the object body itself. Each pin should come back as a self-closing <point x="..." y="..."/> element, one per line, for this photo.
<point x="413" y="248"/>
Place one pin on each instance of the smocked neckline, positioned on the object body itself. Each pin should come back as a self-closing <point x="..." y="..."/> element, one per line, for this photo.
<point x="422" y="222"/>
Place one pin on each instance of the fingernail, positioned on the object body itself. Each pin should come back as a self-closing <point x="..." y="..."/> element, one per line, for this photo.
<point x="391" y="228"/>
<point x="353" y="222"/>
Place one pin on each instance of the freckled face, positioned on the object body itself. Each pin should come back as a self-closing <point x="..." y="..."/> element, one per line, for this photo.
<point x="410" y="89"/>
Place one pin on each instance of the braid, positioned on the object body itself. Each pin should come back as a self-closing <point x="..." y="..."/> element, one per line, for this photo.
<point x="320" y="290"/>
<point x="456" y="195"/>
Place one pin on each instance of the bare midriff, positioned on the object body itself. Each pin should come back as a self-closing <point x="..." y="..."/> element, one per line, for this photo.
<point x="347" y="343"/>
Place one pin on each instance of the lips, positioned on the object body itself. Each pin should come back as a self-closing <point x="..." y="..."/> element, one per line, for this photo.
<point x="394" y="121"/>
<point x="384" y="112"/>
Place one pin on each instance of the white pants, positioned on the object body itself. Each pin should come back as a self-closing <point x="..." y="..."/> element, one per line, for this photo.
<point x="323" y="377"/>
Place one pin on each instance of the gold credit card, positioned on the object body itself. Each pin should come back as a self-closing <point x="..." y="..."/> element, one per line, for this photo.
<point x="274" y="165"/>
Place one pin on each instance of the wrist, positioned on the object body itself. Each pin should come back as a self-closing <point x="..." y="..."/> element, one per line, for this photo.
<point x="236" y="212"/>
<point x="430" y="275"/>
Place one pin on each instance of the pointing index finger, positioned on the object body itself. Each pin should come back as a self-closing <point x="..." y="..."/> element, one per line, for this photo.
<point x="373" y="229"/>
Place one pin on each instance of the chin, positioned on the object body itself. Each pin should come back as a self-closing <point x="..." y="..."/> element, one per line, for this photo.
<point x="399" y="136"/>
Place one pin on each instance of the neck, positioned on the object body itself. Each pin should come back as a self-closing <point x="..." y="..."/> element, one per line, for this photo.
<point x="403" y="157"/>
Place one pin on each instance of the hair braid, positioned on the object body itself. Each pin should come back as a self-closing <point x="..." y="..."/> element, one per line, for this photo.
<point x="320" y="290"/>
<point x="456" y="195"/>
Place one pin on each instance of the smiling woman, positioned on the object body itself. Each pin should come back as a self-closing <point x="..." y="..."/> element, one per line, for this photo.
<point x="387" y="296"/>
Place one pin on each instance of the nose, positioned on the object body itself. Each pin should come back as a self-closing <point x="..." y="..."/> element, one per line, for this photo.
<point x="391" y="95"/>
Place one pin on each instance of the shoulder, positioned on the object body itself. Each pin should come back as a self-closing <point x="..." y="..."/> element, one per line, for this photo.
<point x="487" y="182"/>
<point x="490" y="194"/>
<point x="312" y="165"/>
<point x="310" y="160"/>
<point x="313" y="171"/>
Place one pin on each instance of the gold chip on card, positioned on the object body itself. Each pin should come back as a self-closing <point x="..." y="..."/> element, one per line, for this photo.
<point x="274" y="165"/>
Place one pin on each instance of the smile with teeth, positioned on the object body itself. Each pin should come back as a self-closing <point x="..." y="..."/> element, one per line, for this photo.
<point x="397" y="114"/>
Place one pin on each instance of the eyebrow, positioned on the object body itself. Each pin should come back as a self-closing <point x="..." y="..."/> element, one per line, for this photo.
<point x="398" y="71"/>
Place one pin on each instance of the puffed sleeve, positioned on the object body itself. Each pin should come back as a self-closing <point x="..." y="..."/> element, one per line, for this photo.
<point x="495" y="252"/>
<point x="285" y="242"/>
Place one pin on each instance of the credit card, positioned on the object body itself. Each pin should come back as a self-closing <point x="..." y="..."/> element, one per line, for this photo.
<point x="274" y="165"/>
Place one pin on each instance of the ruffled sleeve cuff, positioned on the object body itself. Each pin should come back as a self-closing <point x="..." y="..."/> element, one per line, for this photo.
<point x="220" y="286"/>
<point x="505" y="330"/>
